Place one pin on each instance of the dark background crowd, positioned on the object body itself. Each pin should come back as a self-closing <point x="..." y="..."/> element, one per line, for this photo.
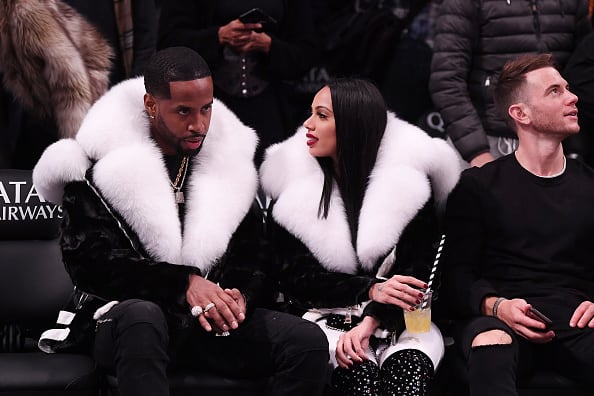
<point x="387" y="41"/>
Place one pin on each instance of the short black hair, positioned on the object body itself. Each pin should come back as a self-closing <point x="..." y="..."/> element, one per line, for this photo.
<point x="173" y="64"/>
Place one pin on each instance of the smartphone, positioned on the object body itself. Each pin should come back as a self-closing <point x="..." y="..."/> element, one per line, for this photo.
<point x="256" y="15"/>
<point x="542" y="317"/>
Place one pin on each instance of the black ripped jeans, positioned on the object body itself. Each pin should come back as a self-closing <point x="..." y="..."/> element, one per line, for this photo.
<point x="493" y="370"/>
<point x="133" y="342"/>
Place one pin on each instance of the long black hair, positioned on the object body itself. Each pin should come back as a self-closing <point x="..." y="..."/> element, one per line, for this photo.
<point x="360" y="118"/>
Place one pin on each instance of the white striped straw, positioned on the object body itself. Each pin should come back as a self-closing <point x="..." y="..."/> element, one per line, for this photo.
<point x="433" y="270"/>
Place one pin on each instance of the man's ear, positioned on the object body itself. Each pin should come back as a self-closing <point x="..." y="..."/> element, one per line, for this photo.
<point x="150" y="105"/>
<point x="518" y="112"/>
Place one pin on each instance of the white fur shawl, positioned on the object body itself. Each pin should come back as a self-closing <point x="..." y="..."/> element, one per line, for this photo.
<point x="409" y="165"/>
<point x="131" y="175"/>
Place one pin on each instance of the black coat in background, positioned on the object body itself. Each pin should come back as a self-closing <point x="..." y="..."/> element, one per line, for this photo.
<point x="474" y="39"/>
<point x="195" y="24"/>
<point x="579" y="73"/>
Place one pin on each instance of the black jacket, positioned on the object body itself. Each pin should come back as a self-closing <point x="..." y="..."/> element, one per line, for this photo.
<point x="123" y="237"/>
<point x="105" y="258"/>
<point x="320" y="268"/>
<point x="474" y="39"/>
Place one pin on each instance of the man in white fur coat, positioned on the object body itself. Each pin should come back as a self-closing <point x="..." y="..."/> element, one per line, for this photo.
<point x="159" y="235"/>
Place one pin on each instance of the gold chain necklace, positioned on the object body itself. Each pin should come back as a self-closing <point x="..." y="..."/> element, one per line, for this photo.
<point x="179" y="181"/>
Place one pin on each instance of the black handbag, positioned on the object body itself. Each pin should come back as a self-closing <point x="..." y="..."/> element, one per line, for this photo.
<point x="339" y="322"/>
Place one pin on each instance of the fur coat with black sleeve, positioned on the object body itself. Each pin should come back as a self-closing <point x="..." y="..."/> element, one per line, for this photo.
<point x="122" y="235"/>
<point x="397" y="231"/>
<point x="53" y="60"/>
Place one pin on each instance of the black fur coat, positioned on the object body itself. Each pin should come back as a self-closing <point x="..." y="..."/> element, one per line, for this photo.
<point x="151" y="253"/>
<point x="397" y="230"/>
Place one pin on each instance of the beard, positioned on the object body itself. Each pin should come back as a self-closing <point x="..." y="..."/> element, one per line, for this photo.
<point x="166" y="134"/>
<point x="552" y="125"/>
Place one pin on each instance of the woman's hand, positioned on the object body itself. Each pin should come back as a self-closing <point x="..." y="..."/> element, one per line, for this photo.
<point x="399" y="290"/>
<point x="240" y="300"/>
<point x="237" y="34"/>
<point x="353" y="344"/>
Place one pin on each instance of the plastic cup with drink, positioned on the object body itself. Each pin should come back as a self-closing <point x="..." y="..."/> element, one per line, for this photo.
<point x="419" y="320"/>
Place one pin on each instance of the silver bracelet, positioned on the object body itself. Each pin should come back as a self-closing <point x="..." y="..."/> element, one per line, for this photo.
<point x="496" y="305"/>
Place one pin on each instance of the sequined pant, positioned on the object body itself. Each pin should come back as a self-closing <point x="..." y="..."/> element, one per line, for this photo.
<point x="406" y="372"/>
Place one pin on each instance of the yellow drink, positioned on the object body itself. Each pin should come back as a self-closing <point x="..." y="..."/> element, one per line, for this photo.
<point x="418" y="321"/>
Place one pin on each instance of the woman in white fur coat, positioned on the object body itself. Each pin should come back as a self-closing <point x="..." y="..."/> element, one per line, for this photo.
<point x="356" y="196"/>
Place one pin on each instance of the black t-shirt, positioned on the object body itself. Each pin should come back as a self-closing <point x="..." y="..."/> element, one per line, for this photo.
<point x="513" y="234"/>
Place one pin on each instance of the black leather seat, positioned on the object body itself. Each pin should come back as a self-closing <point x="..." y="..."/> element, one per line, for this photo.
<point x="191" y="384"/>
<point x="33" y="287"/>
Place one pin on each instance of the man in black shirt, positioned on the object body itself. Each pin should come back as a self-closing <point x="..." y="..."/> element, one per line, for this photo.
<point x="519" y="238"/>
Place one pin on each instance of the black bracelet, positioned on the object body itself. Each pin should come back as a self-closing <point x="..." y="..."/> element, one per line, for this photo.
<point x="496" y="305"/>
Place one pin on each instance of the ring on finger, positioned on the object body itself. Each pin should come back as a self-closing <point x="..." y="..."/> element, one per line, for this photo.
<point x="197" y="311"/>
<point x="209" y="306"/>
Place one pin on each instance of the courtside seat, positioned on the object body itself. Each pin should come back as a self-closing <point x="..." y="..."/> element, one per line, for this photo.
<point x="551" y="383"/>
<point x="33" y="288"/>
<point x="36" y="373"/>
<point x="191" y="384"/>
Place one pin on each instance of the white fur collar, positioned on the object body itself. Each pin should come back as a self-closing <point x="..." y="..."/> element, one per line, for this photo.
<point x="131" y="175"/>
<point x="409" y="165"/>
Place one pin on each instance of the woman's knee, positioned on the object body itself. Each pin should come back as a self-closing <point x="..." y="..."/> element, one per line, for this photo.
<point x="361" y="379"/>
<point x="492" y="337"/>
<point x="406" y="372"/>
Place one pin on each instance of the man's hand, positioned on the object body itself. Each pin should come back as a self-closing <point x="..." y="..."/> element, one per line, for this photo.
<point x="351" y="346"/>
<point x="583" y="316"/>
<point x="481" y="159"/>
<point x="227" y="312"/>
<point x="515" y="314"/>
<point x="399" y="290"/>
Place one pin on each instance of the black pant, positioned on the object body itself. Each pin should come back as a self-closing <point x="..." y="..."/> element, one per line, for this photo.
<point x="134" y="342"/>
<point x="493" y="369"/>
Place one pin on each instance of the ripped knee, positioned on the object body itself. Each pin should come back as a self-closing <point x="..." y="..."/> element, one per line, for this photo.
<point x="492" y="337"/>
